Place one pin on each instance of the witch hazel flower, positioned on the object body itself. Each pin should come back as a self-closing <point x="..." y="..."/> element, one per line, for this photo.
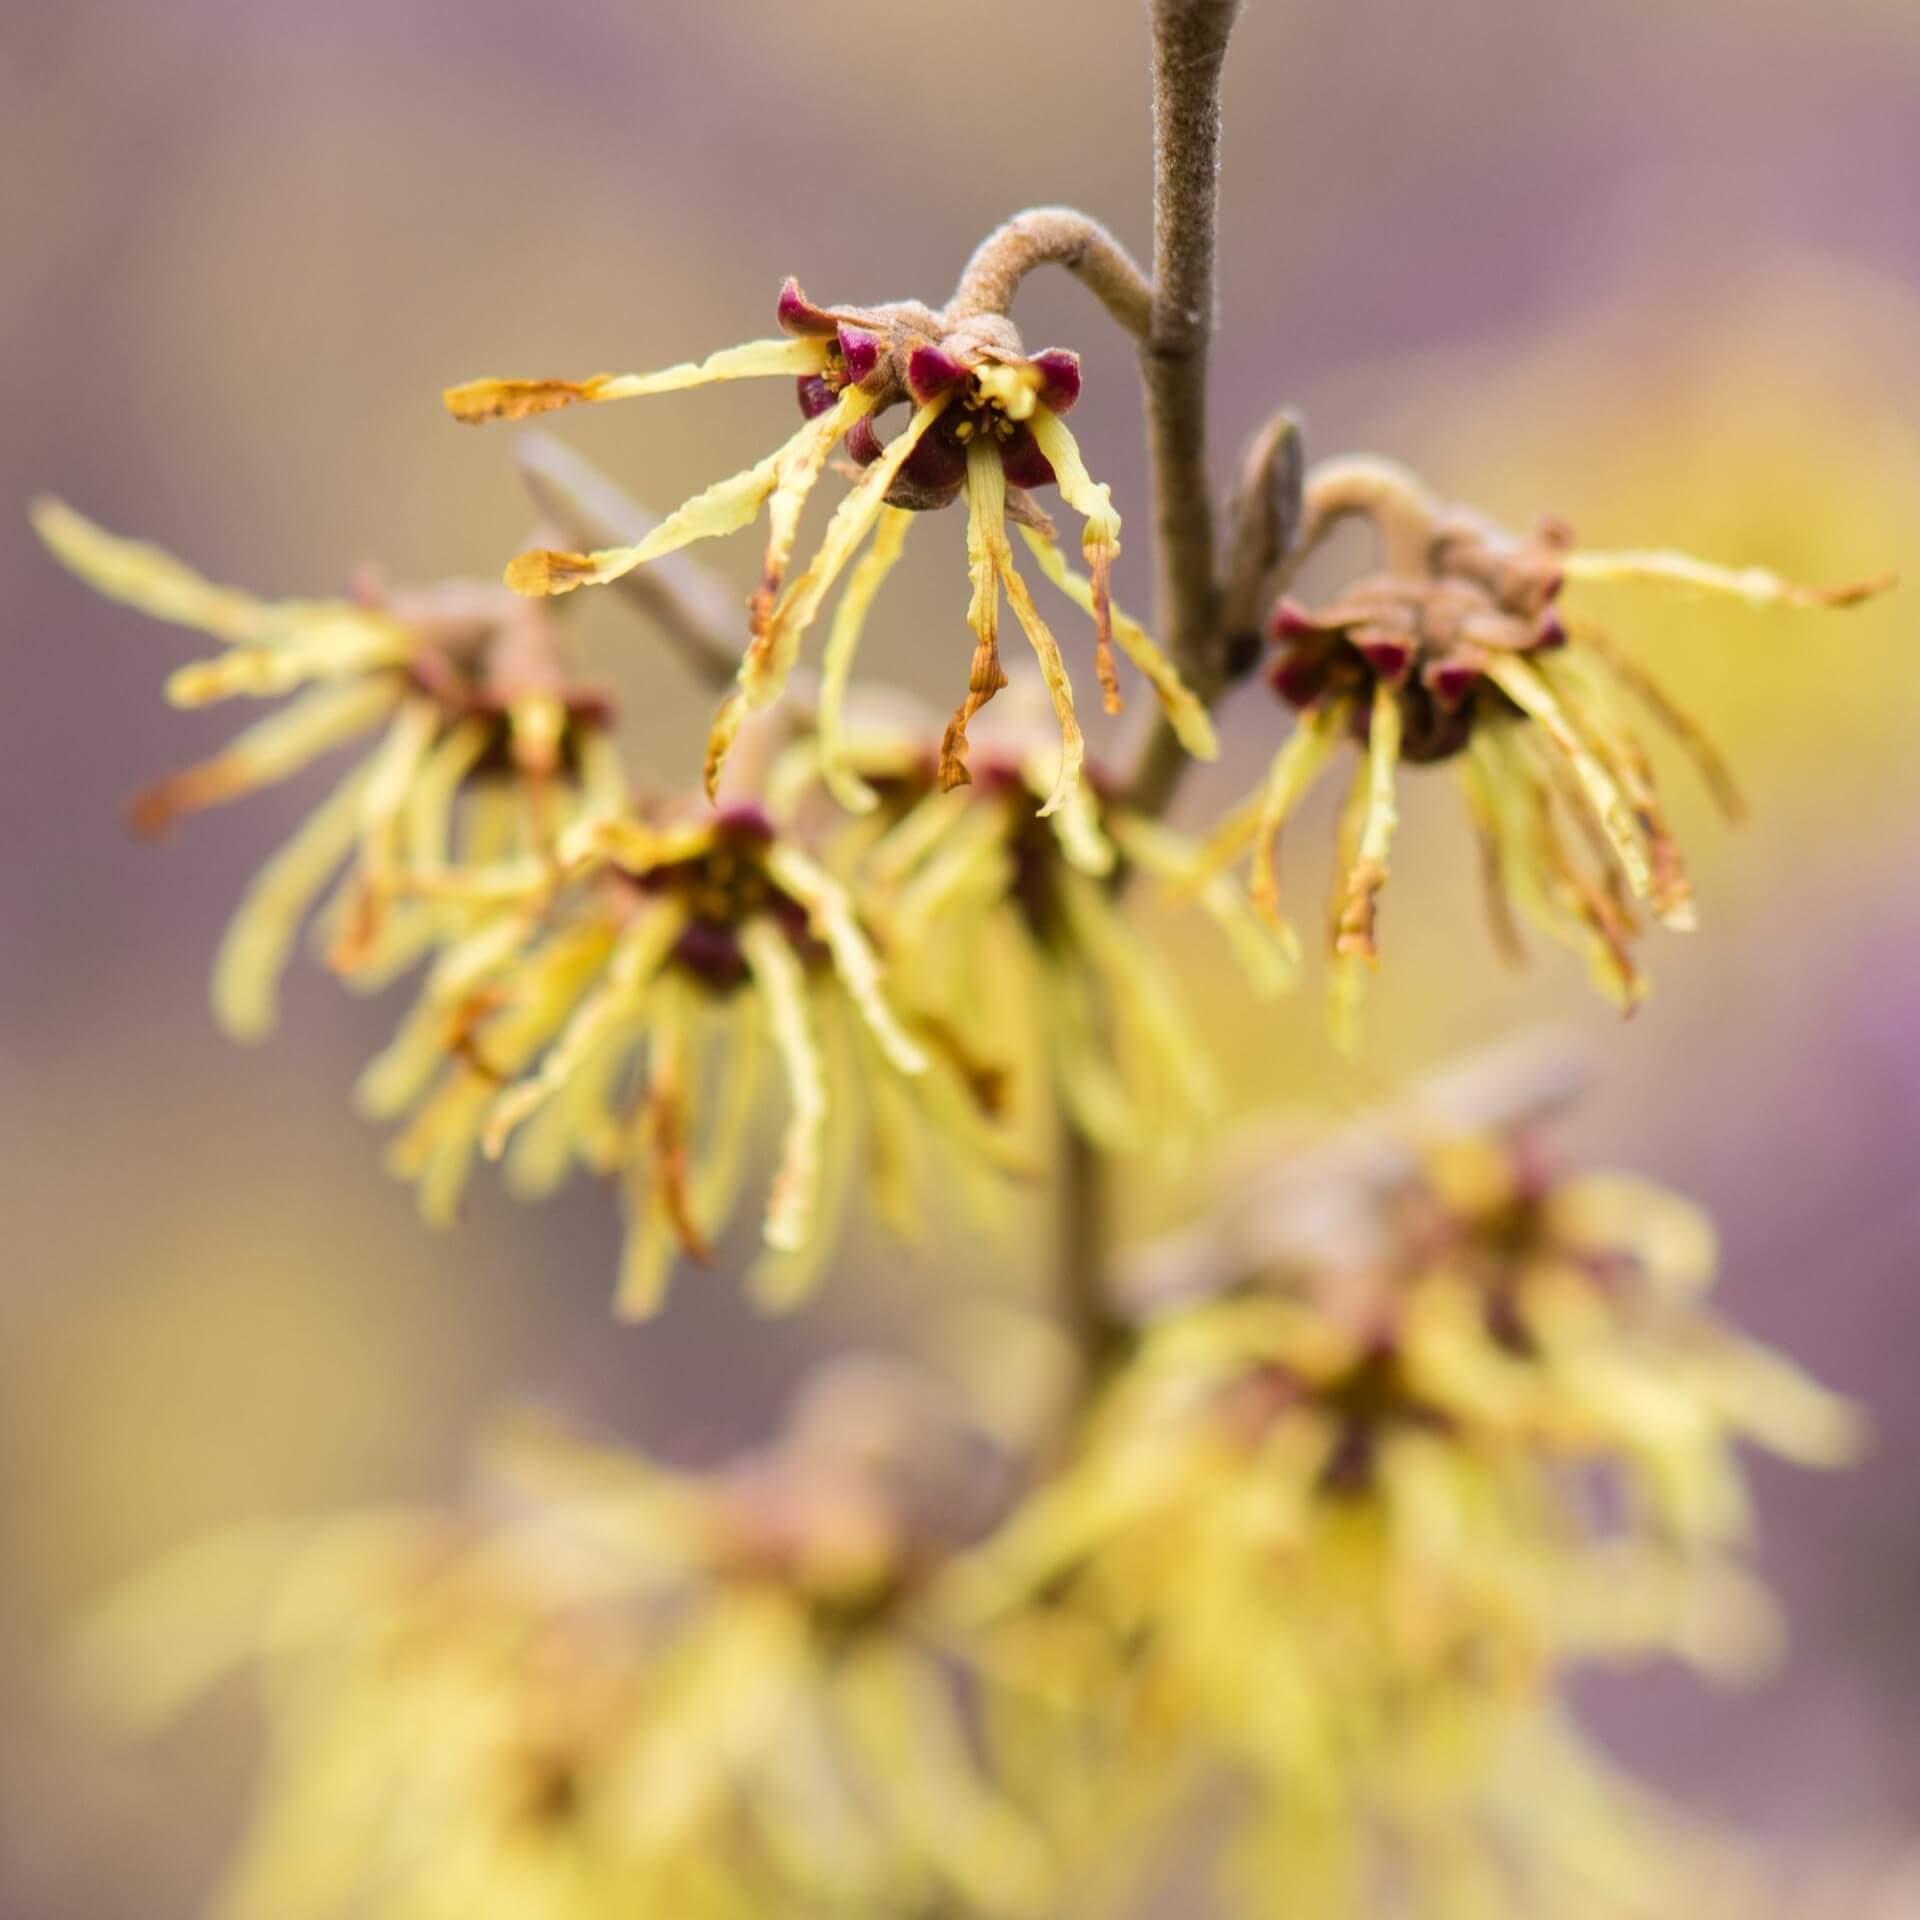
<point x="1460" y="649"/>
<point x="1007" y="931"/>
<point x="986" y="423"/>
<point x="625" y="1023"/>
<point x="624" y="1666"/>
<point x="488" y="745"/>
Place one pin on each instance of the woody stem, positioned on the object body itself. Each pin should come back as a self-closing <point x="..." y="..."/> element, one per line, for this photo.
<point x="1189" y="52"/>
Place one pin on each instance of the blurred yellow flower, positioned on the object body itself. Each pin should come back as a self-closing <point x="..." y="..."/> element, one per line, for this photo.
<point x="1421" y="1425"/>
<point x="612" y="1688"/>
<point x="490" y="747"/>
<point x="1006" y="932"/>
<point x="621" y="1020"/>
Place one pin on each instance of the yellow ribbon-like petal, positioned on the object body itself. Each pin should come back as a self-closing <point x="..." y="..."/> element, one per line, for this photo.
<point x="480" y="400"/>
<point x="836" y="666"/>
<point x="1755" y="585"/>
<point x="777" y="974"/>
<point x="1190" y="722"/>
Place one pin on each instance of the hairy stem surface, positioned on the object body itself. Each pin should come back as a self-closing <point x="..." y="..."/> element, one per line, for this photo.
<point x="1054" y="237"/>
<point x="1189" y="53"/>
<point x="1189" y="50"/>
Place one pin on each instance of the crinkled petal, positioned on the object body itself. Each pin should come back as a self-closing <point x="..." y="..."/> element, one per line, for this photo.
<point x="1581" y="692"/>
<point x="637" y="956"/>
<point x="1522" y="684"/>
<point x="480" y="400"/>
<point x="1493" y="843"/>
<point x="1093" y="501"/>
<point x="1077" y="828"/>
<point x="1053" y="670"/>
<point x="781" y="1278"/>
<point x="253" y="952"/>
<point x="777" y="974"/>
<point x="151" y="579"/>
<point x="272" y="750"/>
<point x="728" y="718"/>
<point x="1546" y="881"/>
<point x="428" y="826"/>
<point x="836" y="666"/>
<point x="327" y="644"/>
<point x="1354" y="934"/>
<point x="854" y="960"/>
<point x="395" y="1077"/>
<point x="986" y="503"/>
<point x="390" y="775"/>
<point x="1190" y="722"/>
<point x="723" y="508"/>
<point x="667" y="1125"/>
<point x="1295" y="768"/>
<point x="1755" y="585"/>
<point x="1686" y="731"/>
<point x="801" y="465"/>
<point x="764" y="672"/>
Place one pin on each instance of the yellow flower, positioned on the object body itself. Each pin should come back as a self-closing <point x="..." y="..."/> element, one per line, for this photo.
<point x="1458" y="649"/>
<point x="489" y="747"/>
<point x="1006" y="933"/>
<point x="987" y="423"/>
<point x="1417" y="1425"/>
<point x="614" y="1689"/>
<point x="624" y="1023"/>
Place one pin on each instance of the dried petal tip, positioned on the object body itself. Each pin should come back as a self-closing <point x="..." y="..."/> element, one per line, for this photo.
<point x="1859" y="592"/>
<point x="544" y="572"/>
<point x="482" y="400"/>
<point x="153" y="810"/>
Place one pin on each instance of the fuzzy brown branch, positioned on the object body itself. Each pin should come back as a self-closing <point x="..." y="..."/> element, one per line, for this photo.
<point x="1059" y="237"/>
<point x="1189" y="49"/>
<point x="1189" y="52"/>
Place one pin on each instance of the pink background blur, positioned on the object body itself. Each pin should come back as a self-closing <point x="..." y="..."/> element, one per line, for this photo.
<point x="1649" y="265"/>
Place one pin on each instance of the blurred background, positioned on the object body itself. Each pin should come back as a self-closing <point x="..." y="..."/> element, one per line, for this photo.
<point x="1651" y="267"/>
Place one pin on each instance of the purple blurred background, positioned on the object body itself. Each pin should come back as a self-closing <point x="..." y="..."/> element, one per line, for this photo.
<point x="1649" y="266"/>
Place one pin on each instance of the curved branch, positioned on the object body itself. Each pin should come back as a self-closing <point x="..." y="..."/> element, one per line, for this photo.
<point x="1053" y="237"/>
<point x="1365" y="486"/>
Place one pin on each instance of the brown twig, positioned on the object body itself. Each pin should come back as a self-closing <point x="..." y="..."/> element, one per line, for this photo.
<point x="1059" y="237"/>
<point x="1189" y="49"/>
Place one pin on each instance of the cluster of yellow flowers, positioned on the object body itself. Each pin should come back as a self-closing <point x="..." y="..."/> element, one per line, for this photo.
<point x="1383" y="1449"/>
<point x="609" y="1688"/>
<point x="607" y="972"/>
<point x="1401" y="1437"/>
<point x="1412" y="1427"/>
